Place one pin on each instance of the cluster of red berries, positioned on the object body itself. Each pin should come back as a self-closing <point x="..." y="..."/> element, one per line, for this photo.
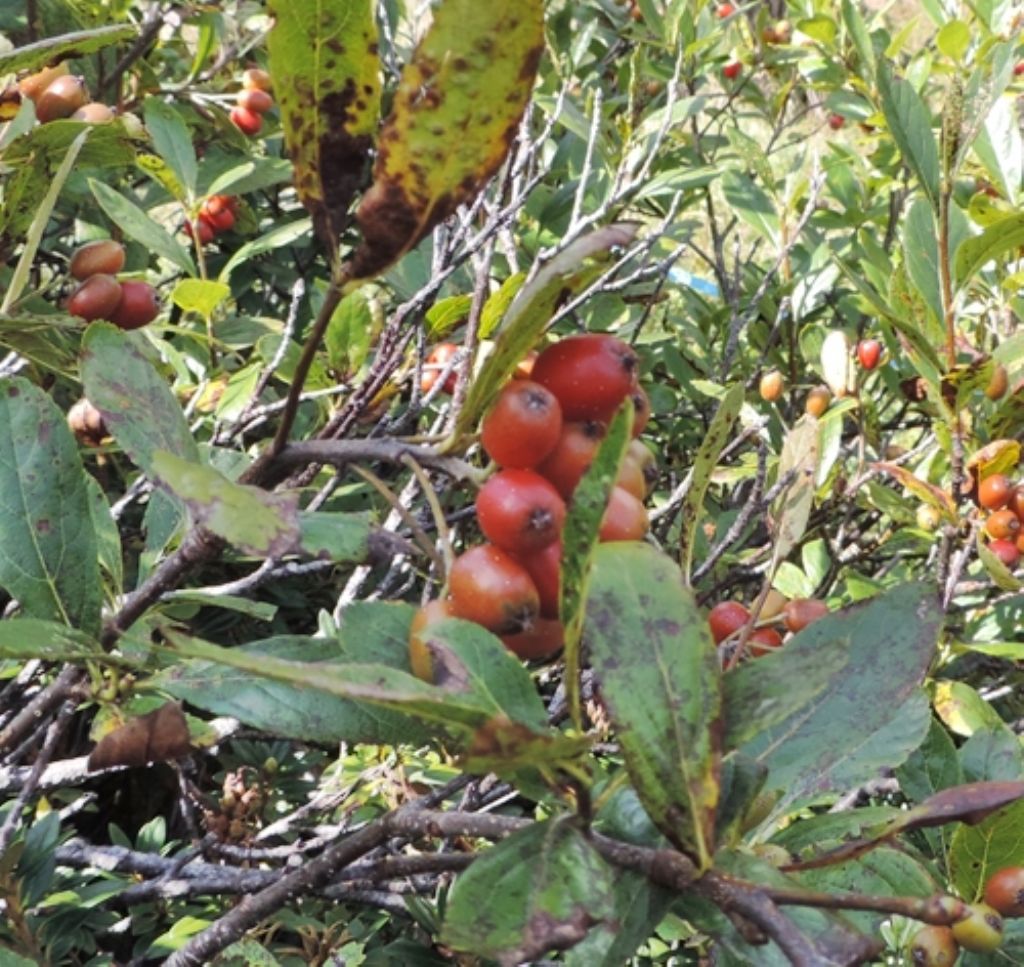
<point x="1005" y="502"/>
<point x="727" y="618"/>
<point x="252" y="102"/>
<point x="543" y="433"/>
<point x="58" y="94"/>
<point x="216" y="216"/>
<point x="128" y="305"/>
<point x="981" y="930"/>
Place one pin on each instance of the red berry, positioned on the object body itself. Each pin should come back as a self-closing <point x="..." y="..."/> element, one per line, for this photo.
<point x="255" y="100"/>
<point x="641" y="410"/>
<point x="105" y="257"/>
<point x="1018" y="69"/>
<point x="590" y="374"/>
<point x="436" y="361"/>
<point x="1003" y="523"/>
<point x="248" y="122"/>
<point x="732" y="70"/>
<point x="994" y="491"/>
<point x="724" y="11"/>
<point x="800" y="612"/>
<point x="523" y="426"/>
<point x="545" y="568"/>
<point x="726" y="618"/>
<point x="625" y="518"/>
<point x="1004" y="891"/>
<point x="540" y="641"/>
<point x="1006" y="551"/>
<point x="200" y="229"/>
<point x="490" y="587"/>
<point x="256" y="79"/>
<point x="869" y="352"/>
<point x="836" y="121"/>
<point x="61" y="99"/>
<point x="763" y="640"/>
<point x="96" y="298"/>
<point x="520" y="511"/>
<point x="221" y="220"/>
<point x="138" y="306"/>
<point x="572" y="455"/>
<point x="420" y="660"/>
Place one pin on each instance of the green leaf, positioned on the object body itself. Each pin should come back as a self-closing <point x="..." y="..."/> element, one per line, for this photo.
<point x="138" y="406"/>
<point x="445" y="314"/>
<point x="992" y="755"/>
<point x="861" y="39"/>
<point x="976" y="852"/>
<point x="921" y="252"/>
<point x="136" y="224"/>
<point x="333" y="536"/>
<point x="286" y="709"/>
<point x="792" y="509"/>
<point x="48" y="555"/>
<point x="751" y="203"/>
<point x="108" y="537"/>
<point x="872" y="713"/>
<point x="253" y="175"/>
<point x="910" y="123"/>
<point x="529" y="315"/>
<point x="251" y="519"/>
<point x="202" y="296"/>
<point x="972" y="254"/>
<point x="350" y="333"/>
<point x="172" y="141"/>
<point x="541" y="889"/>
<point x="652" y="653"/>
<point x="715" y="440"/>
<point x="276" y="238"/>
<point x="326" y="70"/>
<point x="23" y="638"/>
<point x="1000" y="148"/>
<point x="458" y="104"/>
<point x="64" y="47"/>
<point x="498" y="303"/>
<point x="932" y="767"/>
<point x="954" y="39"/>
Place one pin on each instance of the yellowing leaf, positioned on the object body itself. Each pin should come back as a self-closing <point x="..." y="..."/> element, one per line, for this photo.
<point x="455" y="114"/>
<point x="326" y="72"/>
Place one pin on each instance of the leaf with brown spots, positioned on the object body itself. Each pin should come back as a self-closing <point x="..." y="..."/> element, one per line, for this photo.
<point x="455" y="114"/>
<point x="653" y="656"/>
<point x="326" y="72"/>
<point x="541" y="889"/>
<point x="48" y="552"/>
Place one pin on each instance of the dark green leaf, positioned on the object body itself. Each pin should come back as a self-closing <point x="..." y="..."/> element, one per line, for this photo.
<point x="976" y="852"/>
<point x="652" y="653"/>
<point x="31" y="638"/>
<point x="172" y="141"/>
<point x="910" y="123"/>
<point x="921" y="251"/>
<point x="539" y="890"/>
<point x="872" y="713"/>
<point x="67" y="46"/>
<point x="333" y="536"/>
<point x="933" y="766"/>
<point x="991" y="755"/>
<point x="48" y="554"/>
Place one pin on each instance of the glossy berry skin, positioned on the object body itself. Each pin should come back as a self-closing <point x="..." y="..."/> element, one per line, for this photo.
<point x="732" y="70"/>
<point x="1004" y="891"/>
<point x="248" y="122"/>
<point x="490" y="587"/>
<point x="869" y="352"/>
<point x="763" y="641"/>
<point x="572" y="455"/>
<point x="1002" y="523"/>
<point x="981" y="931"/>
<point x="1016" y="501"/>
<point x="201" y="230"/>
<point x="994" y="492"/>
<point x="724" y="11"/>
<point x="631" y="478"/>
<point x="220" y="219"/>
<point x="255" y="100"/>
<point x="817" y="400"/>
<point x="256" y="79"/>
<point x="33" y="85"/>
<point x="625" y="518"/>
<point x="98" y="297"/>
<point x="61" y="99"/>
<point x="545" y="569"/>
<point x="542" y="640"/>
<point x="430" y="614"/>
<point x="800" y="612"/>
<point x="590" y="374"/>
<point x="771" y="386"/>
<point x="105" y="257"/>
<point x="520" y="511"/>
<point x="726" y="618"/>
<point x="523" y="426"/>
<point x="138" y="306"/>
<point x="934" y="946"/>
<point x="437" y="359"/>
<point x="836" y="121"/>
<point x="1006" y="551"/>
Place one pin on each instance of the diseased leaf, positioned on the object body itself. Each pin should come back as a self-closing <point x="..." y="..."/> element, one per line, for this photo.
<point x="48" y="554"/>
<point x="976" y="852"/>
<point x="652" y="653"/>
<point x="792" y="509"/>
<point x="715" y="440"/>
<point x="872" y="714"/>
<point x="326" y="71"/>
<point x="251" y="519"/>
<point x="138" y="406"/>
<point x="541" y="889"/>
<point x="334" y="536"/>
<point x="455" y="113"/>
<point x="51" y="50"/>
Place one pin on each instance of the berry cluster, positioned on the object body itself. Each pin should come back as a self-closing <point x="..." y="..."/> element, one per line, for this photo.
<point x="217" y="216"/>
<point x="128" y="305"/>
<point x="58" y="94"/>
<point x="252" y="102"/>
<point x="1005" y="501"/>
<point x="727" y="618"/>
<point x="981" y="930"/>
<point x="543" y="433"/>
